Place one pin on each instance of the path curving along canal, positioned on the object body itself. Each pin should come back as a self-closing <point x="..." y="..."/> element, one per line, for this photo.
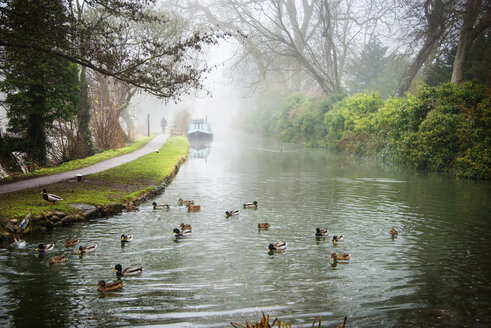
<point x="436" y="272"/>
<point x="154" y="144"/>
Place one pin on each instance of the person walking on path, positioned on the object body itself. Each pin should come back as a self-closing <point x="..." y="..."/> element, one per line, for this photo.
<point x="163" y="124"/>
<point x="153" y="145"/>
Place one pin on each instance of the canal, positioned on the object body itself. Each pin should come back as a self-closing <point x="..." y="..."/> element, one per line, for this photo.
<point x="436" y="272"/>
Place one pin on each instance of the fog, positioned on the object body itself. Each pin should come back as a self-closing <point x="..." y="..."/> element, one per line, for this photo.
<point x="221" y="101"/>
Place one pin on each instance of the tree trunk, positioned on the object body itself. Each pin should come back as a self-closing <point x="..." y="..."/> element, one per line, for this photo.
<point x="470" y="31"/>
<point x="35" y="138"/>
<point x="412" y="70"/>
<point x="83" y="117"/>
<point x="435" y="16"/>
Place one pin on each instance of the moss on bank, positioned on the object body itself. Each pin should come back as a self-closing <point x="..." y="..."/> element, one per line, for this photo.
<point x="105" y="191"/>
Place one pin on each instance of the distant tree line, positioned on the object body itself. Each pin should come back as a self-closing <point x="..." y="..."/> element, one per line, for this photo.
<point x="68" y="70"/>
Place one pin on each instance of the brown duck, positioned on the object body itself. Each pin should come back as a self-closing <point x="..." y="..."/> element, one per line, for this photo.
<point x="71" y="242"/>
<point x="340" y="257"/>
<point x="107" y="287"/>
<point x="57" y="259"/>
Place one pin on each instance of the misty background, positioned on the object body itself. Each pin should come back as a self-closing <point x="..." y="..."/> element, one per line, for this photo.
<point x="295" y="70"/>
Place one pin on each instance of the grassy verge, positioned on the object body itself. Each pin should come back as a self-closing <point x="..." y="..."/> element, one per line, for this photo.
<point x="118" y="185"/>
<point x="83" y="162"/>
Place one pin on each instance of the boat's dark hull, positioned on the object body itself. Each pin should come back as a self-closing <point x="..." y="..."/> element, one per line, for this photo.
<point x="200" y="136"/>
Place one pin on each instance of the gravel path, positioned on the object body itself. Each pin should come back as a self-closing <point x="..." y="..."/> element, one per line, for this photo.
<point x="151" y="146"/>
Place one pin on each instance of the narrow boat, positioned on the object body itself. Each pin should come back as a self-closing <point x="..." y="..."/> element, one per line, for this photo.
<point x="200" y="130"/>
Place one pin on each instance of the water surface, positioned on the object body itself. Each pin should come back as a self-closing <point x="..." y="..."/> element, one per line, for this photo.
<point x="436" y="272"/>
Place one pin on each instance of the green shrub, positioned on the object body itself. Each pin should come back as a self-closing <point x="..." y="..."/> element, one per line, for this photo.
<point x="444" y="128"/>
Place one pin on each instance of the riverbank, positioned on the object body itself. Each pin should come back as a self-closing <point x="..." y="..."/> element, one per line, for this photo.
<point x="79" y="163"/>
<point x="441" y="129"/>
<point x="97" y="195"/>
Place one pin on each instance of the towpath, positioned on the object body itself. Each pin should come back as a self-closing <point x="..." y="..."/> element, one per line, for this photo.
<point x="153" y="145"/>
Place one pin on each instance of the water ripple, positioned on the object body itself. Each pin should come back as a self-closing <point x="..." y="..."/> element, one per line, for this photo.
<point x="223" y="272"/>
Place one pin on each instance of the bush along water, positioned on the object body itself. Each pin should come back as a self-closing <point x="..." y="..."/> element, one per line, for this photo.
<point x="444" y="129"/>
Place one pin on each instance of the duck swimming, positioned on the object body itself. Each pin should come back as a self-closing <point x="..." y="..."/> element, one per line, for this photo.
<point x="18" y="244"/>
<point x="263" y="225"/>
<point x="160" y="206"/>
<point x="336" y="238"/>
<point x="320" y="232"/>
<point x="193" y="208"/>
<point x="126" y="238"/>
<point x="87" y="249"/>
<point x="186" y="228"/>
<point x="250" y="205"/>
<point x="231" y="213"/>
<point x="51" y="198"/>
<point x="178" y="234"/>
<point x="182" y="202"/>
<point x="393" y="232"/>
<point x="45" y="247"/>
<point x="276" y="246"/>
<point x="57" y="259"/>
<point x="132" y="271"/>
<point x="340" y="257"/>
<point x="107" y="287"/>
<point x="71" y="242"/>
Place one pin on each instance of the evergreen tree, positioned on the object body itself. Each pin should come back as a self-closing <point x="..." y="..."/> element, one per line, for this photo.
<point x="40" y="88"/>
<point x="373" y="70"/>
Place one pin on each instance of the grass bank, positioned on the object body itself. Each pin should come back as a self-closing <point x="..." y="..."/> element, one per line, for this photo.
<point x="126" y="183"/>
<point x="80" y="163"/>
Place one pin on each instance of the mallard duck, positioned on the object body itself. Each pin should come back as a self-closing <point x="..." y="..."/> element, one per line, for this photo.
<point x="393" y="232"/>
<point x="51" y="198"/>
<point x="263" y="225"/>
<point x="45" y="247"/>
<point x="132" y="271"/>
<point x="320" y="232"/>
<point x="87" y="249"/>
<point x="186" y="228"/>
<point x="177" y="233"/>
<point x="15" y="228"/>
<point x="58" y="259"/>
<point x="18" y="243"/>
<point x="160" y="206"/>
<point x="185" y="202"/>
<point x="180" y="233"/>
<point x="231" y="213"/>
<point x="131" y="207"/>
<point x="250" y="205"/>
<point x="126" y="238"/>
<point x="71" y="242"/>
<point x="194" y="208"/>
<point x="276" y="246"/>
<point x="22" y="224"/>
<point x="336" y="238"/>
<point x="340" y="257"/>
<point x="107" y="287"/>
